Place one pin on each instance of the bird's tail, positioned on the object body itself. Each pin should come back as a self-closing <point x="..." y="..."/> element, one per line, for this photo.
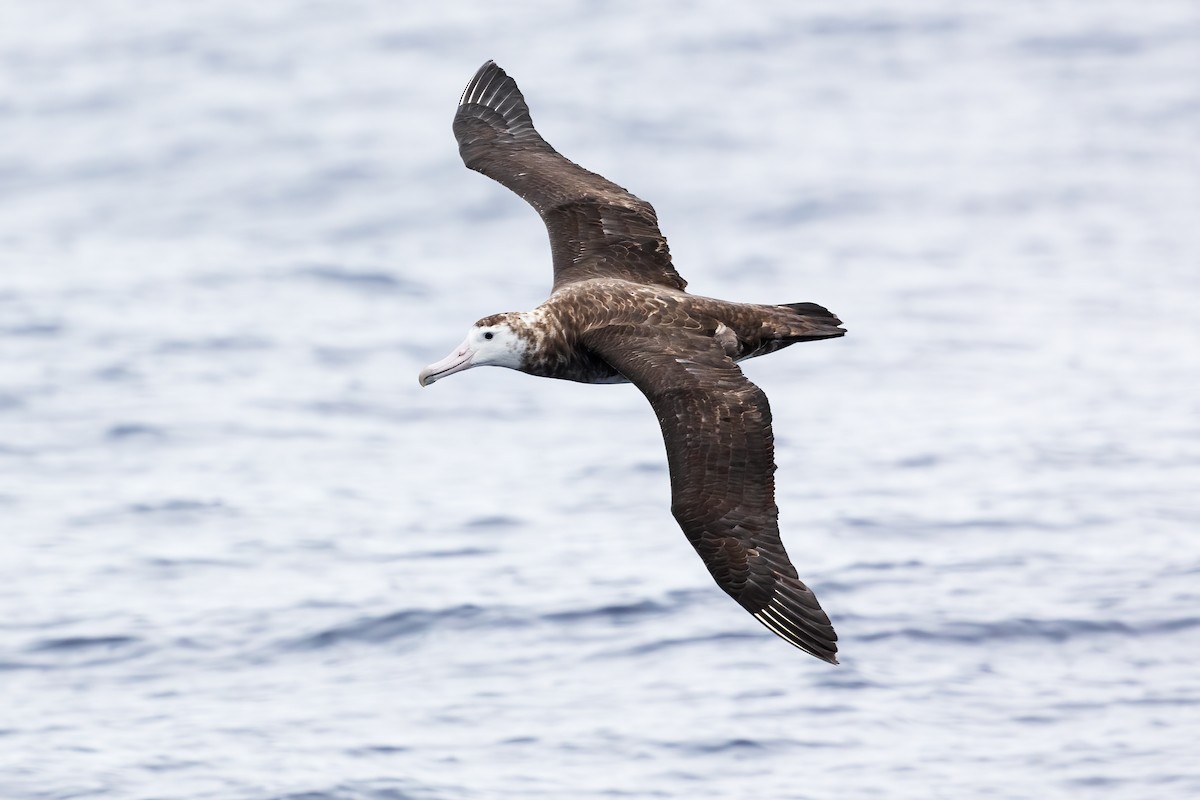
<point x="815" y="322"/>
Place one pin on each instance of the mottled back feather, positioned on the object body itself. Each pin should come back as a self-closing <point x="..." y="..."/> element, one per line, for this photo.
<point x="597" y="229"/>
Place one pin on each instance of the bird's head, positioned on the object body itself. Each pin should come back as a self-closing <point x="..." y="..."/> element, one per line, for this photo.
<point x="499" y="340"/>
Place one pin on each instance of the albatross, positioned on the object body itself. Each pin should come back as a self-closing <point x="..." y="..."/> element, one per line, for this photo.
<point x="619" y="312"/>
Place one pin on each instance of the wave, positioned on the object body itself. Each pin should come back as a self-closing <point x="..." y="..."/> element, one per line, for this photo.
<point x="612" y="613"/>
<point x="82" y="643"/>
<point x="370" y="790"/>
<point x="389" y="627"/>
<point x="177" y="509"/>
<point x="362" y="280"/>
<point x="133" y="430"/>
<point x="1054" y="630"/>
<point x="412" y="623"/>
<point x="688" y="641"/>
<point x="625" y="612"/>
<point x="213" y="345"/>
<point x="69" y="652"/>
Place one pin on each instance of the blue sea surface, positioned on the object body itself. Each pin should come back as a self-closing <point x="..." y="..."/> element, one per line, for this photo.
<point x="243" y="556"/>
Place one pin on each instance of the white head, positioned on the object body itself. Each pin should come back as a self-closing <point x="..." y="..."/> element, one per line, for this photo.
<point x="493" y="340"/>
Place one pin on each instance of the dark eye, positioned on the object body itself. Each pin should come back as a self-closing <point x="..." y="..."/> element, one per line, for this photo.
<point x="488" y="335"/>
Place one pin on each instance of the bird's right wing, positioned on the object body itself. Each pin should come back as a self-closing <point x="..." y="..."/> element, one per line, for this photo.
<point x="597" y="229"/>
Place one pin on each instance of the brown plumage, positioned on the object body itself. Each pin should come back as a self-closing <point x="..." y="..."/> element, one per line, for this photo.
<point x="597" y="229"/>
<point x="618" y="312"/>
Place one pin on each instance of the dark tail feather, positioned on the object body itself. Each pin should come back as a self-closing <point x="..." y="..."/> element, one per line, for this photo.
<point x="819" y="322"/>
<point x="812" y="310"/>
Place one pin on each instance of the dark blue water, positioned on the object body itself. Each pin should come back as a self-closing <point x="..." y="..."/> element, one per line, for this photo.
<point x="244" y="555"/>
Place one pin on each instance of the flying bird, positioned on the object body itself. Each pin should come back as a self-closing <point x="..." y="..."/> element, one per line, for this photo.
<point x="619" y="312"/>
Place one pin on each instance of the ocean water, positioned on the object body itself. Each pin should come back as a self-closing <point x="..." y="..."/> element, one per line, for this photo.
<point x="243" y="555"/>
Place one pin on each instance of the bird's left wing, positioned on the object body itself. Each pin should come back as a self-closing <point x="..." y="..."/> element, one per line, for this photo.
<point x="720" y="449"/>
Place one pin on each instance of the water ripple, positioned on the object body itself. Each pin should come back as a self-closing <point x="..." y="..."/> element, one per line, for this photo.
<point x="360" y="280"/>
<point x="404" y="624"/>
<point x="1049" y="630"/>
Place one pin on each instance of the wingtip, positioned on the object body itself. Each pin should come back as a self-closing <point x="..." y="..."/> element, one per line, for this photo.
<point x="799" y="633"/>
<point x="483" y="75"/>
<point x="492" y="105"/>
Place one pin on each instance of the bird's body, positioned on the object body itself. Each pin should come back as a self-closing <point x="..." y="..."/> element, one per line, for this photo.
<point x="620" y="312"/>
<point x="554" y="330"/>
